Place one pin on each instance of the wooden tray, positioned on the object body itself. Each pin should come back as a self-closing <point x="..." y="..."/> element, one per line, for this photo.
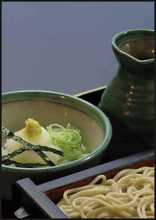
<point x="44" y="197"/>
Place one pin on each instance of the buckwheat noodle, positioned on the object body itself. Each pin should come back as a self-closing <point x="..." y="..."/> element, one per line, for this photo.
<point x="130" y="194"/>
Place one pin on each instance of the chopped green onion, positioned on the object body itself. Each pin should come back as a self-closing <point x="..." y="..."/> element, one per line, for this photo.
<point x="68" y="139"/>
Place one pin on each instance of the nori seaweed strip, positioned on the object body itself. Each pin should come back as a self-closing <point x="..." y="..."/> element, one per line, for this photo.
<point x="30" y="165"/>
<point x="29" y="146"/>
<point x="13" y="154"/>
<point x="19" y="151"/>
<point x="7" y="132"/>
<point x="44" y="157"/>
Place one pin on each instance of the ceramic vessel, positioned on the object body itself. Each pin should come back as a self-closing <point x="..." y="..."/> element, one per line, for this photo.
<point x="52" y="107"/>
<point x="129" y="97"/>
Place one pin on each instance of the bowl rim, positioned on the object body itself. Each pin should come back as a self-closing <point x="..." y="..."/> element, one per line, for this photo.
<point x="102" y="118"/>
<point x="127" y="33"/>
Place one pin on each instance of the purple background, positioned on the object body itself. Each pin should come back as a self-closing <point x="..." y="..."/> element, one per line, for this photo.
<point x="65" y="46"/>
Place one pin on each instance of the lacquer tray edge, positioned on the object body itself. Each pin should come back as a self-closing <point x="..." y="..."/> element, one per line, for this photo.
<point x="38" y="193"/>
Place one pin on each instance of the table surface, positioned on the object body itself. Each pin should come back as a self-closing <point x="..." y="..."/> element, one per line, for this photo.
<point x="65" y="46"/>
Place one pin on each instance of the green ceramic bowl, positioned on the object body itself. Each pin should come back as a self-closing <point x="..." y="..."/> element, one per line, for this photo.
<point x="52" y="107"/>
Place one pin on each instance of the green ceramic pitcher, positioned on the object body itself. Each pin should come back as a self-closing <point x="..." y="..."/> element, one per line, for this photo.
<point x="130" y="95"/>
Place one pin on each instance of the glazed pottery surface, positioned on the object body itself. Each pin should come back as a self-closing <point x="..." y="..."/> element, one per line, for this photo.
<point x="130" y="95"/>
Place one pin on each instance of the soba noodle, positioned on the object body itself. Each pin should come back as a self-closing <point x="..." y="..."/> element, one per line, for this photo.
<point x="130" y="194"/>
